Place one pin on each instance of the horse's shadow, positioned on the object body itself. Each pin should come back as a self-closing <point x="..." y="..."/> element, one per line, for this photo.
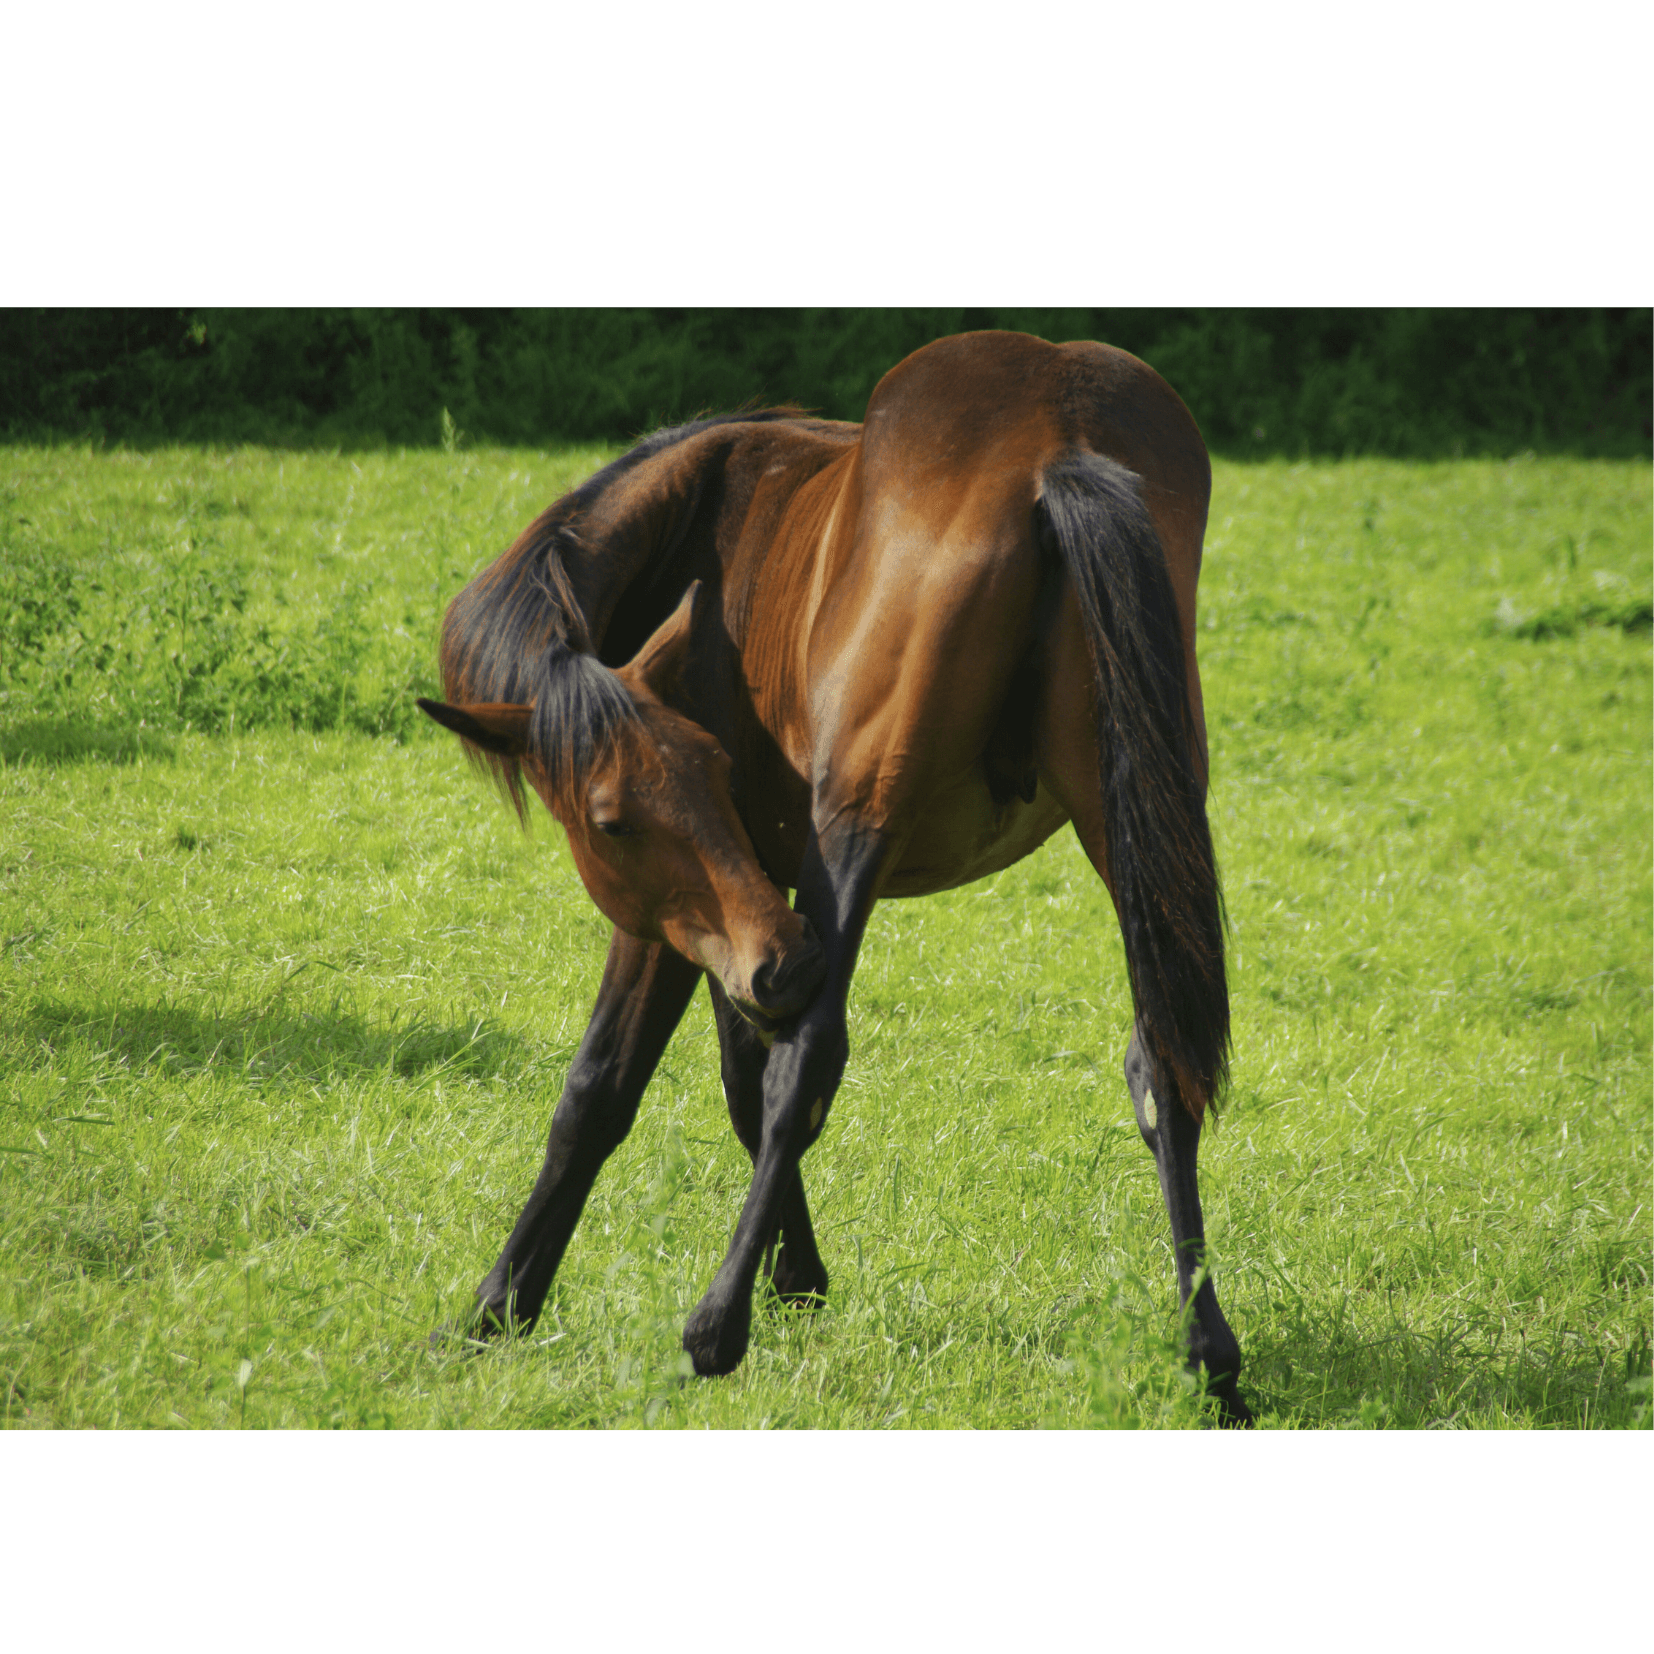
<point x="268" y="1043"/>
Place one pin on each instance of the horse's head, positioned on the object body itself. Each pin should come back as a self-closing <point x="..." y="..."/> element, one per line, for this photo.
<point x="655" y="835"/>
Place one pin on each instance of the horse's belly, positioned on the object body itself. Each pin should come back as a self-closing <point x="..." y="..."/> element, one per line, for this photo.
<point x="964" y="835"/>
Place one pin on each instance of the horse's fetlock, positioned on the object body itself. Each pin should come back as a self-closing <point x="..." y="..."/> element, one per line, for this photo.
<point x="1217" y="1350"/>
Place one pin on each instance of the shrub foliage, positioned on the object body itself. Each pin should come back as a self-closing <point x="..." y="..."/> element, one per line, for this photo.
<point x="1414" y="383"/>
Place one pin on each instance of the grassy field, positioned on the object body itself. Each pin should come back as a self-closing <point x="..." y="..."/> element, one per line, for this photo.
<point x="286" y="998"/>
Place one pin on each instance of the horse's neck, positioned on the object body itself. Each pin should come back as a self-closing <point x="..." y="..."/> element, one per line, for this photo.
<point x="635" y="525"/>
<point x="775" y="498"/>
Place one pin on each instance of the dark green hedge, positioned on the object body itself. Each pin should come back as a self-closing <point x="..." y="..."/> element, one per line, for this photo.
<point x="1408" y="382"/>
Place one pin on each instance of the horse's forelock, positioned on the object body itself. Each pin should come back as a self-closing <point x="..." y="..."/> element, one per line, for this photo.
<point x="516" y="636"/>
<point x="578" y="715"/>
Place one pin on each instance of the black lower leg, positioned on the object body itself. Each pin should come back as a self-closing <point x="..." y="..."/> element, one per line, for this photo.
<point x="801" y="1074"/>
<point x="1173" y="1137"/>
<point x="643" y="994"/>
<point x="791" y="1259"/>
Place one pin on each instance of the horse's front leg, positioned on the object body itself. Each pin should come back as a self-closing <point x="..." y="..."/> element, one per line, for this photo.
<point x="1173" y="1137"/>
<point x="798" y="1274"/>
<point x="837" y="887"/>
<point x="644" y="991"/>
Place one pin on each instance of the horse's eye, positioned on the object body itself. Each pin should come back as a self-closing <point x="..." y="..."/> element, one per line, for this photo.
<point x="614" y="829"/>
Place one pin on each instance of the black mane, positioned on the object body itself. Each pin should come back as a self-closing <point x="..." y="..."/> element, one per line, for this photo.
<point x="516" y="634"/>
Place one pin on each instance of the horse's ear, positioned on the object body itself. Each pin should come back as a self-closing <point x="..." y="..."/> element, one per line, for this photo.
<point x="495" y="726"/>
<point x="660" y="662"/>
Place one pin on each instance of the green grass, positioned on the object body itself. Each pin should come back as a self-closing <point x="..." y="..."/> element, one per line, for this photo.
<point x="285" y="1005"/>
<point x="237" y="589"/>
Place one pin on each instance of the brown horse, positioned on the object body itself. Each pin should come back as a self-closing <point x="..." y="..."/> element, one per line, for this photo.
<point x="768" y="653"/>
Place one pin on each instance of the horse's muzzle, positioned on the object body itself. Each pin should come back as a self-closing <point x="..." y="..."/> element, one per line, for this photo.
<point x="781" y="988"/>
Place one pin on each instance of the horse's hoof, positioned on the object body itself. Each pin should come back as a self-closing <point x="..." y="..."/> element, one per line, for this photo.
<point x="715" y="1336"/>
<point x="1233" y="1413"/>
<point x="471" y="1332"/>
<point x="804" y="1287"/>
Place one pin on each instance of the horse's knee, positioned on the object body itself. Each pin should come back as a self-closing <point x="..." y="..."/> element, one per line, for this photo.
<point x="799" y="1088"/>
<point x="800" y="1118"/>
<point x="595" y="1112"/>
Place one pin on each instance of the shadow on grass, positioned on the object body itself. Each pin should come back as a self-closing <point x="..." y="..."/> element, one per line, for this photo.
<point x="1324" y="1373"/>
<point x="57" y="741"/>
<point x="274" y="1042"/>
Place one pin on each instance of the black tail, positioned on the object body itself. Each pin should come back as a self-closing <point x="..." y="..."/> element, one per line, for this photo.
<point x="1159" y="844"/>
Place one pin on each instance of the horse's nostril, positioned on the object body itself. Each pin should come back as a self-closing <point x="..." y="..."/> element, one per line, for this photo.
<point x="786" y="983"/>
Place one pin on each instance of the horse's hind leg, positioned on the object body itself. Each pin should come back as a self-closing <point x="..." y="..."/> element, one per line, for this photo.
<point x="798" y="1274"/>
<point x="643" y="994"/>
<point x="1173" y="1138"/>
<point x="1069" y="767"/>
